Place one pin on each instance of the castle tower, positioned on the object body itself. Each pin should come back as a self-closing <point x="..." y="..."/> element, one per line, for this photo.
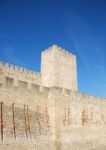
<point x="58" y="68"/>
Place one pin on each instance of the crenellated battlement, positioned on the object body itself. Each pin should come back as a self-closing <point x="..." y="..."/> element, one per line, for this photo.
<point x="79" y="97"/>
<point x="17" y="69"/>
<point x="56" y="47"/>
<point x="15" y="73"/>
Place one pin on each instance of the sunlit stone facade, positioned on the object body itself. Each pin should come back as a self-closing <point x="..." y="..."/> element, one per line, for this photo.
<point x="46" y="111"/>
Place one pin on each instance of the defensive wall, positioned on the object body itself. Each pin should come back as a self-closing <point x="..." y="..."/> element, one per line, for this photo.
<point x="45" y="111"/>
<point x="18" y="74"/>
<point x="62" y="120"/>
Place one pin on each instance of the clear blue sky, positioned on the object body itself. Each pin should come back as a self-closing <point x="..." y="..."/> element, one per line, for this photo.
<point x="29" y="26"/>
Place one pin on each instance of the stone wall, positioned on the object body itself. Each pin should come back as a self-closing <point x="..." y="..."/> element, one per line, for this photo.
<point x="45" y="111"/>
<point x="22" y="93"/>
<point x="17" y="74"/>
<point x="21" y="123"/>
<point x="23" y="128"/>
<point x="80" y="121"/>
<point x="67" y="119"/>
<point x="58" y="125"/>
<point x="93" y="144"/>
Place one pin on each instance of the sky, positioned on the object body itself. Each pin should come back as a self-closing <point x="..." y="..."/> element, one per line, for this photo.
<point x="27" y="27"/>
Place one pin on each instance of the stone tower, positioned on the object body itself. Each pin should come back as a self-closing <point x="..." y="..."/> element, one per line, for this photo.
<point x="58" y="68"/>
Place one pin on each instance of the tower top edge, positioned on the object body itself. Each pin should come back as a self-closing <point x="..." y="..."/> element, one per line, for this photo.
<point x="56" y="47"/>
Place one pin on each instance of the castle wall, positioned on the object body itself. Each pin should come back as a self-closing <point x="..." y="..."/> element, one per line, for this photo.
<point x="45" y="111"/>
<point x="94" y="144"/>
<point x="17" y="74"/>
<point x="26" y="129"/>
<point x="61" y="111"/>
<point x="79" y="118"/>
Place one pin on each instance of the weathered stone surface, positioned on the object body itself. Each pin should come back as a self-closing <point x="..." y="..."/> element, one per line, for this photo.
<point x="44" y="111"/>
<point x="58" y="68"/>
